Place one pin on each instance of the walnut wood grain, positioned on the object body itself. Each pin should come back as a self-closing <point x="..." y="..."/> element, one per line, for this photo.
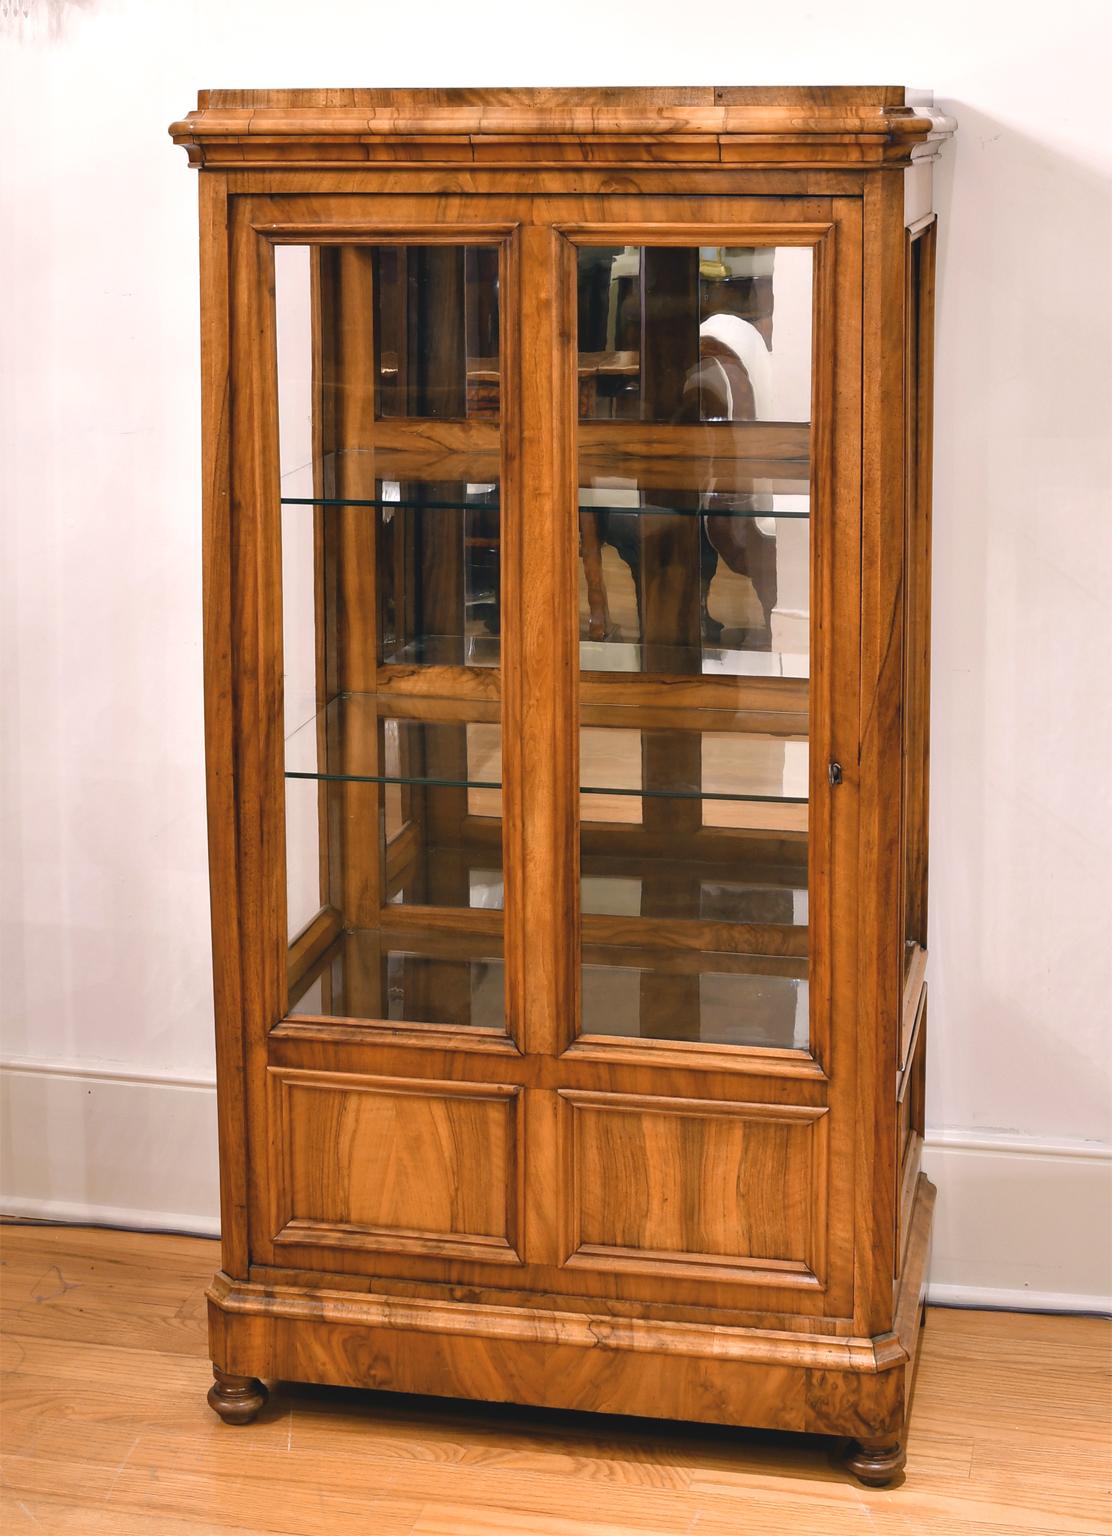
<point x="859" y="126"/>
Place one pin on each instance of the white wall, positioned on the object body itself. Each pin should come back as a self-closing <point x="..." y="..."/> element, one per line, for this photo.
<point x="105" y="941"/>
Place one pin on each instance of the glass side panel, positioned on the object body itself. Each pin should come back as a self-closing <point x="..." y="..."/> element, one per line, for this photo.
<point x="694" y="528"/>
<point x="390" y="554"/>
<point x="436" y="559"/>
<point x="916" y="594"/>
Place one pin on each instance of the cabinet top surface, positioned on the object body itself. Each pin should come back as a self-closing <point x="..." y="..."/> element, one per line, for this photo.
<point x="786" y="125"/>
<point x="541" y="97"/>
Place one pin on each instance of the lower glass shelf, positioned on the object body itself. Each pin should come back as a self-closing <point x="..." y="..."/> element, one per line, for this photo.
<point x="747" y="658"/>
<point x="691" y="896"/>
<point x="458" y="980"/>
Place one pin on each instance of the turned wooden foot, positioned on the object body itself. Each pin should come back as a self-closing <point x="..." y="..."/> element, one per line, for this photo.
<point x="876" y="1462"/>
<point x="237" y="1399"/>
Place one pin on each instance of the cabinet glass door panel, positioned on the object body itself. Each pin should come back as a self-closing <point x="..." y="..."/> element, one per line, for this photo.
<point x="694" y="404"/>
<point x="694" y="501"/>
<point x="389" y="426"/>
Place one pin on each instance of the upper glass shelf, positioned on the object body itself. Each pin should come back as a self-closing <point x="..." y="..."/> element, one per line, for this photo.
<point x="299" y="488"/>
<point x="390" y="503"/>
<point x="614" y="501"/>
<point x="350" y="740"/>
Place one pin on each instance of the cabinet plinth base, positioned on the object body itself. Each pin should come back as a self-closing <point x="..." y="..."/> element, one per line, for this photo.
<point x="747" y="1377"/>
<point x="237" y="1399"/>
<point x="876" y="1463"/>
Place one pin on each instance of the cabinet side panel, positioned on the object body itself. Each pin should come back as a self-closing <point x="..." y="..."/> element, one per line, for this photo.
<point x="219" y="726"/>
<point x="880" y="954"/>
<point x="918" y="455"/>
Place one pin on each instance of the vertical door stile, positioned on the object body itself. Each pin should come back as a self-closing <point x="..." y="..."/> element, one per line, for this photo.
<point x="540" y="675"/>
<point x="348" y="381"/>
<point x="220" y="692"/>
<point x="880" y="952"/>
<point x="258" y="723"/>
<point x="835" y="708"/>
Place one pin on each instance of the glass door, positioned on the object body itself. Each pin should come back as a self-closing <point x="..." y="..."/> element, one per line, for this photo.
<point x="389" y="423"/>
<point x="695" y="387"/>
<point x="705" y="1107"/>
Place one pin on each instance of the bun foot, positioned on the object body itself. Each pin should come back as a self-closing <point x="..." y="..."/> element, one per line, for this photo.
<point x="237" y="1399"/>
<point x="876" y="1463"/>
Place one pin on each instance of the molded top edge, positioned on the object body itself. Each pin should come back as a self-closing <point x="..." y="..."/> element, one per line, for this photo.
<point x="854" y="126"/>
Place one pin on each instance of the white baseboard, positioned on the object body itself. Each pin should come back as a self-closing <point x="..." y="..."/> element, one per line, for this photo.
<point x="1020" y="1222"/>
<point x="108" y="1147"/>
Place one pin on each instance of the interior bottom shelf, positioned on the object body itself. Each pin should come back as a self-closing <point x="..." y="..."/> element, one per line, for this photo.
<point x="707" y="1007"/>
<point x="459" y="980"/>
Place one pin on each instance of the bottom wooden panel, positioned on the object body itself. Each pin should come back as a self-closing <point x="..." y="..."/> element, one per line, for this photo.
<point x="857" y="1387"/>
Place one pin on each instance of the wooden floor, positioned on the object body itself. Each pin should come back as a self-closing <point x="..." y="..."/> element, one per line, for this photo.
<point x="105" y="1429"/>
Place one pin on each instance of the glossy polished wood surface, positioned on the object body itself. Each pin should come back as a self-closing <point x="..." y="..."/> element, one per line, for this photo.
<point x="731" y="125"/>
<point x="105" y="1432"/>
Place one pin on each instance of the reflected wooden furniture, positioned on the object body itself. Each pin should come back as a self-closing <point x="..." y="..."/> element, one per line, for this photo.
<point x="569" y="927"/>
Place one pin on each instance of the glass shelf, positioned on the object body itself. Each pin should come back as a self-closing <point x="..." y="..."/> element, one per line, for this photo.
<point x="623" y="656"/>
<point x="369" y="975"/>
<point x="694" y="897"/>
<point x="351" y="741"/>
<point x="469" y="650"/>
<point x="614" y="501"/>
<point x="603" y="503"/>
<point x="631" y="656"/>
<point x="389" y="504"/>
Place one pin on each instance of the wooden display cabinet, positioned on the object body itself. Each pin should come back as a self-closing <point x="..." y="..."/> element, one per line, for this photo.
<point x="567" y="523"/>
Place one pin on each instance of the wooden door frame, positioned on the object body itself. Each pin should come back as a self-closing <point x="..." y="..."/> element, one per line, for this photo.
<point x="246" y="597"/>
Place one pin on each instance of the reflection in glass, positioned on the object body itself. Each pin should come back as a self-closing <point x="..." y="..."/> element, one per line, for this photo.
<point x="436" y="331"/>
<point x="436" y="550"/>
<point x="694" y="550"/>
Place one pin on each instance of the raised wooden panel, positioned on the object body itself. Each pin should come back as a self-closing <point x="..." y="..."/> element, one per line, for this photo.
<point x="398" y="1165"/>
<point x="698" y="1188"/>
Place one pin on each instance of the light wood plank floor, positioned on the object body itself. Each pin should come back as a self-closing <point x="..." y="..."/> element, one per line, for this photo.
<point x="105" y="1429"/>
